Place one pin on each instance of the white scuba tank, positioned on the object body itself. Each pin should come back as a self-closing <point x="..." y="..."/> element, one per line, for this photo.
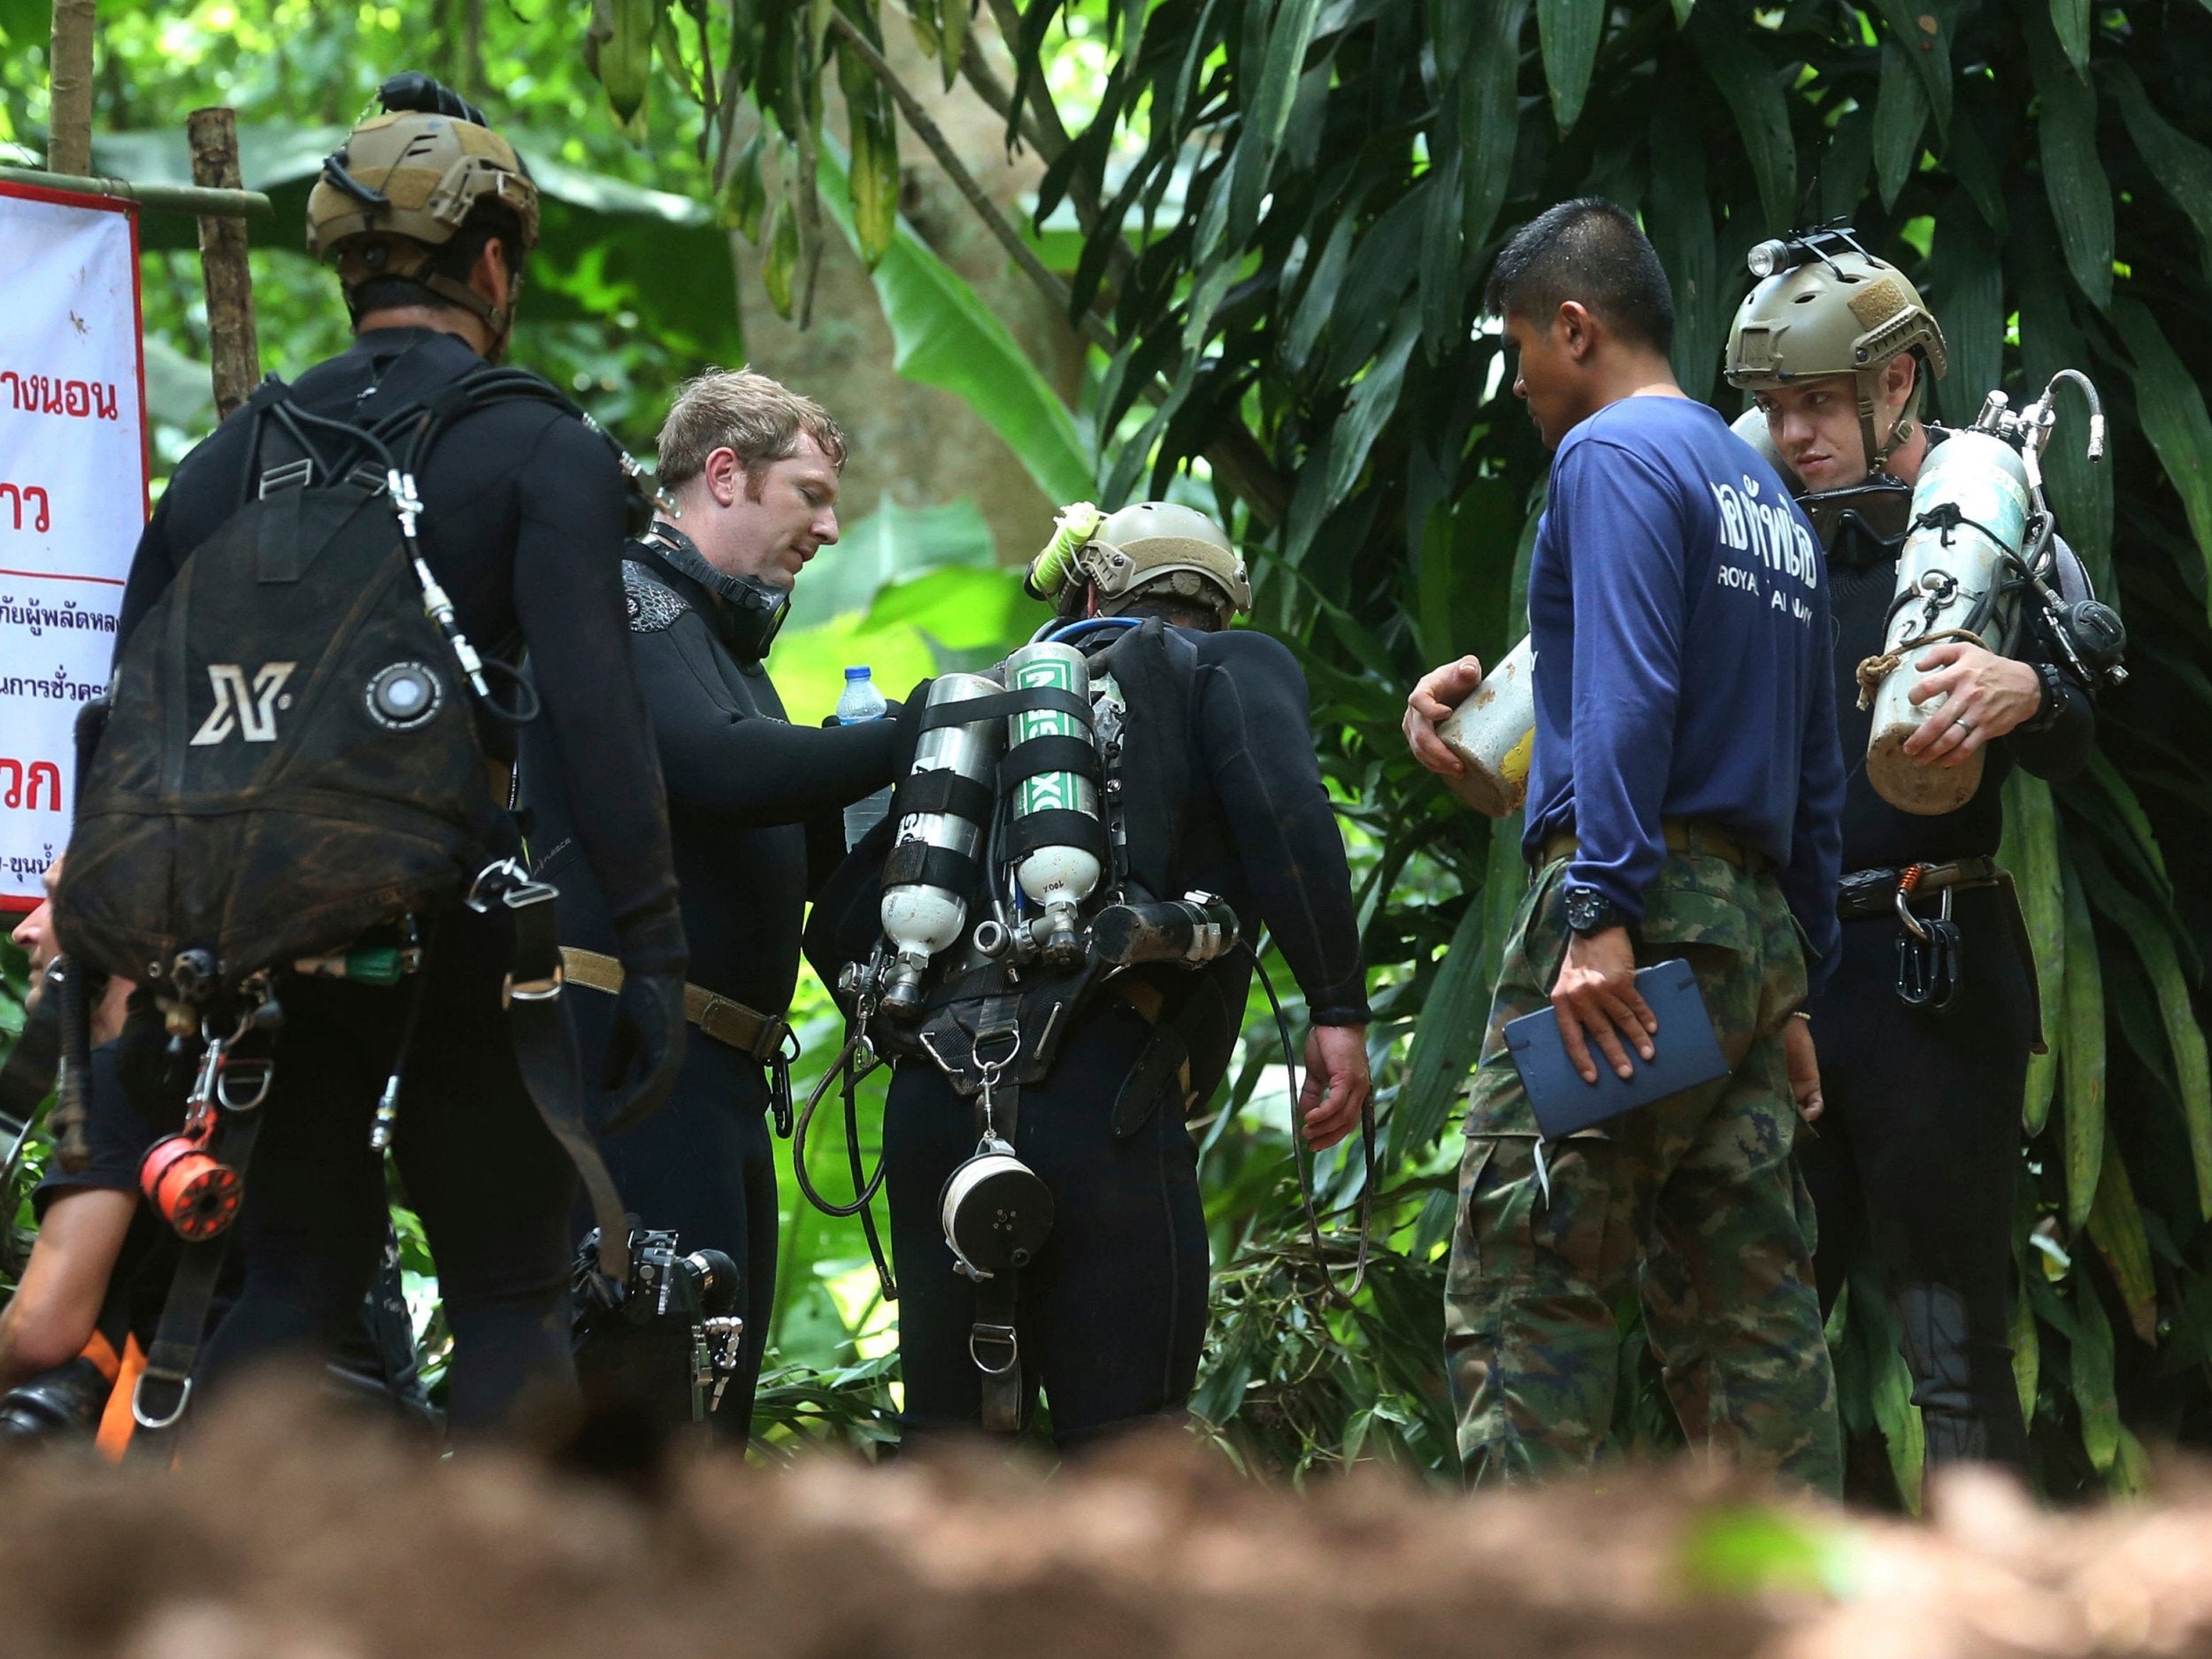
<point x="1495" y="732"/>
<point x="921" y="918"/>
<point x="1056" y="875"/>
<point x="1969" y="516"/>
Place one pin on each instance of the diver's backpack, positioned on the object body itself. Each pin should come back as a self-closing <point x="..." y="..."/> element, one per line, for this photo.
<point x="289" y="753"/>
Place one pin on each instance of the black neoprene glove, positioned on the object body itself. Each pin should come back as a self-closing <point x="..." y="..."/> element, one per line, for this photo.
<point x="909" y="721"/>
<point x="645" y="1050"/>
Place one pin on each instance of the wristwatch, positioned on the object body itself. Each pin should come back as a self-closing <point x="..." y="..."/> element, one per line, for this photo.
<point x="1590" y="911"/>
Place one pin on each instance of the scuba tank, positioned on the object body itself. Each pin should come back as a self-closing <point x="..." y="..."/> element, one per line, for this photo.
<point x="1495" y="732"/>
<point x="1981" y="535"/>
<point x="1055" y="872"/>
<point x="940" y="828"/>
<point x="1970" y="518"/>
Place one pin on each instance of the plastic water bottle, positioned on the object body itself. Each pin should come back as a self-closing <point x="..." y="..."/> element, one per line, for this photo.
<point x="861" y="701"/>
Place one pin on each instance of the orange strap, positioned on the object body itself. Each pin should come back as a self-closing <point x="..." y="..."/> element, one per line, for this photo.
<point x="116" y="1423"/>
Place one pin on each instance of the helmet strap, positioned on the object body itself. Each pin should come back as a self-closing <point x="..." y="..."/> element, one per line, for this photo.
<point x="1900" y="431"/>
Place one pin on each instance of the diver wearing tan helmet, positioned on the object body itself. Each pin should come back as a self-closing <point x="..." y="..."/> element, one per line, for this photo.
<point x="1046" y="939"/>
<point x="1925" y="1029"/>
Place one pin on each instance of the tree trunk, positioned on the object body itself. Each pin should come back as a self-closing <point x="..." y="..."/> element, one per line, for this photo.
<point x="69" y="67"/>
<point x="230" y="339"/>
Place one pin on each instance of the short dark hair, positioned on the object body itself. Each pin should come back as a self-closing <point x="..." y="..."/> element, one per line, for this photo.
<point x="489" y="221"/>
<point x="1590" y="250"/>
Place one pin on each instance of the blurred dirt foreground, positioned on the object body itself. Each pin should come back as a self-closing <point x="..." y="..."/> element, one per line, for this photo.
<point x="293" y="1538"/>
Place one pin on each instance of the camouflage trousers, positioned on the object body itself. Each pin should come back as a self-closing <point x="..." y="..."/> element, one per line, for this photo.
<point x="1694" y="1202"/>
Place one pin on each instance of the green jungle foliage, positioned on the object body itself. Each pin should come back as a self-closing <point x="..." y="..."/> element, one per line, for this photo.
<point x="1272" y="218"/>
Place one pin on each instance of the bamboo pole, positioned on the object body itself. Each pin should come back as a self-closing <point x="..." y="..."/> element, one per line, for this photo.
<point x="157" y="198"/>
<point x="69" y="81"/>
<point x="232" y="342"/>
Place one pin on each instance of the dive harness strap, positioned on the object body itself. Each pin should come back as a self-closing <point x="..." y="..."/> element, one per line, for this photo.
<point x="1005" y="705"/>
<point x="163" y="1388"/>
<point x="544" y="1053"/>
<point x="1165" y="1058"/>
<point x="754" y="1034"/>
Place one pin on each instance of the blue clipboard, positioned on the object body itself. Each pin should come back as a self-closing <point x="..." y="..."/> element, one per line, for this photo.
<point x="1687" y="1056"/>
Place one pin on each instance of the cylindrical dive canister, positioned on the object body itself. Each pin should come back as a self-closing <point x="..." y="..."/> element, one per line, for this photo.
<point x="1495" y="732"/>
<point x="943" y="807"/>
<point x="1198" y="927"/>
<point x="1970" y="513"/>
<point x="188" y="1188"/>
<point x="1056" y="871"/>
<point x="996" y="1212"/>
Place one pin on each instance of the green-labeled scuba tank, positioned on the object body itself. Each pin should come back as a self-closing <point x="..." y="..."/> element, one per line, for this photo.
<point x="1055" y="870"/>
<point x="1495" y="732"/>
<point x="935" y="849"/>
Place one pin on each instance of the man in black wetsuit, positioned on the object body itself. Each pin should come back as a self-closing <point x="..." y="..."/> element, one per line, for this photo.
<point x="752" y="469"/>
<point x="1917" y="1146"/>
<point x="429" y="217"/>
<point x="1220" y="793"/>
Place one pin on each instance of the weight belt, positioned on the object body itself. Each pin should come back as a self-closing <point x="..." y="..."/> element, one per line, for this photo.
<point x="756" y="1035"/>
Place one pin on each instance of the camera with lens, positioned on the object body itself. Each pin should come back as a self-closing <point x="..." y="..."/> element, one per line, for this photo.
<point x="664" y="1341"/>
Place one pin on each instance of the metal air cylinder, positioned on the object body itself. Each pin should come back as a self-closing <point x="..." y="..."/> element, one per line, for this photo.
<point x="1495" y="732"/>
<point x="1970" y="513"/>
<point x="922" y="916"/>
<point x="1056" y="875"/>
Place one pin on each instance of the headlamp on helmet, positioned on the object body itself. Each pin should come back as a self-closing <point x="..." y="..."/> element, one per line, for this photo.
<point x="1155" y="549"/>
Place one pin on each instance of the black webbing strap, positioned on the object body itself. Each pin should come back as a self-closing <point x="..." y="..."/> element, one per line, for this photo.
<point x="544" y="1052"/>
<point x="1165" y="1060"/>
<point x="165" y="1388"/>
<point x="993" y="1342"/>
<point x="1055" y="827"/>
<point x="995" y="1348"/>
<point x="943" y="790"/>
<point x="1035" y="757"/>
<point x="1029" y="700"/>
<point x="912" y="863"/>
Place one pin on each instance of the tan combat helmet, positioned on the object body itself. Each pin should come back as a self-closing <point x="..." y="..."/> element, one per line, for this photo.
<point x="1152" y="549"/>
<point x="405" y="182"/>
<point x="1823" y="305"/>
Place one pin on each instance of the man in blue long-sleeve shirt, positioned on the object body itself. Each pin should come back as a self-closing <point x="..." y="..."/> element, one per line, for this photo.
<point x="1683" y="802"/>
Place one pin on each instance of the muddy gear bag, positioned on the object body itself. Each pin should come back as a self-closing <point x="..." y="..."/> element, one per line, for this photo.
<point x="290" y="753"/>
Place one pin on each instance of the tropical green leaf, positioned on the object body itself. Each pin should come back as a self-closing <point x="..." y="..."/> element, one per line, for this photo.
<point x="1446" y="1039"/>
<point x="1682" y="9"/>
<point x="1967" y="154"/>
<point x="2027" y="1353"/>
<point x="1890" y="1384"/>
<point x="1969" y="303"/>
<point x="2154" y="940"/>
<point x="1283" y="30"/>
<point x="2073" y="177"/>
<point x="2181" y="166"/>
<point x="1570" y="31"/>
<point x="2090" y="1364"/>
<point x="781" y="262"/>
<point x="1489" y="110"/>
<point x="2082" y="1058"/>
<point x="2080" y="490"/>
<point x="1753" y="86"/>
<point x="2170" y="404"/>
<point x="942" y="335"/>
<point x="744" y="193"/>
<point x="2030" y="851"/>
<point x="2115" y="1227"/>
<point x="1679" y="218"/>
<point x="1901" y="111"/>
<point x="1843" y="164"/>
<point x="1368" y="409"/>
<point x="2070" y="21"/>
<point x="626" y="56"/>
<point x="1922" y="29"/>
<point x="873" y="181"/>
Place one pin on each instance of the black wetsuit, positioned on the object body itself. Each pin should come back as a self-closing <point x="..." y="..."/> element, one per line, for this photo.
<point x="1914" y="1163"/>
<point x="753" y="812"/>
<point x="1113" y="1313"/>
<point x="522" y="523"/>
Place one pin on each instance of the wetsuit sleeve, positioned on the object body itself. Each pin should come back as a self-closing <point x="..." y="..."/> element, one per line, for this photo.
<point x="1810" y="882"/>
<point x="2055" y="741"/>
<point x="1625" y="528"/>
<point x="750" y="768"/>
<point x="568" y="597"/>
<point x="825" y="850"/>
<point x="1254" y="720"/>
<point x="153" y="567"/>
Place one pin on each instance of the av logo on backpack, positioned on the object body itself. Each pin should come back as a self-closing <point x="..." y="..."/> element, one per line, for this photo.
<point x="252" y="713"/>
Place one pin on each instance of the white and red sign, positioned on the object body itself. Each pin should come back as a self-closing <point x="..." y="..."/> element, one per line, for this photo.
<point x="72" y="495"/>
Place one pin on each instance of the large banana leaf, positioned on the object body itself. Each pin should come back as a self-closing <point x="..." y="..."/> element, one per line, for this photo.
<point x="942" y="335"/>
<point x="2031" y="852"/>
<point x="2082" y="1058"/>
<point x="2171" y="405"/>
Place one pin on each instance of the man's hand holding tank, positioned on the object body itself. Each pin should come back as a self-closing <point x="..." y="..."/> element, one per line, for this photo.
<point x="1430" y="704"/>
<point x="1986" y="697"/>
